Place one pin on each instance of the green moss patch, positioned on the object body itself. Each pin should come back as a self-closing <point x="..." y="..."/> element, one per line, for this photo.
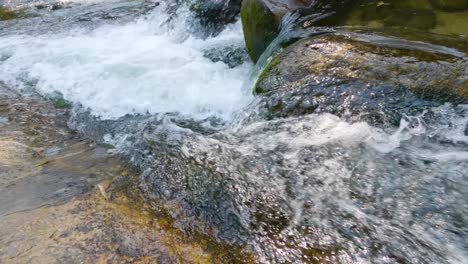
<point x="108" y="146"/>
<point x="270" y="70"/>
<point x="62" y="103"/>
<point x="260" y="27"/>
<point x="6" y="14"/>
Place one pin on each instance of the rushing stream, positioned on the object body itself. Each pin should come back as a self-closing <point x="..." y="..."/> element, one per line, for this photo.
<point x="145" y="78"/>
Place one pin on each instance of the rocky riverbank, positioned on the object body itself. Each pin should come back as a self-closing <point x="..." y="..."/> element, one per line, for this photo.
<point x="67" y="199"/>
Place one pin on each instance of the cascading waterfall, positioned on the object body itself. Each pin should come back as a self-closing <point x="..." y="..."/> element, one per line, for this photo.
<point x="294" y="188"/>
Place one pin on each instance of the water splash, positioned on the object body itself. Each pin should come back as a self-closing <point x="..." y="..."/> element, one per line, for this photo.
<point x="294" y="188"/>
<point x="316" y="182"/>
<point x="147" y="66"/>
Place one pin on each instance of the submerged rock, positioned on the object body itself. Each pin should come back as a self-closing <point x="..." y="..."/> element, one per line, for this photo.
<point x="298" y="189"/>
<point x="359" y="75"/>
<point x="261" y="19"/>
<point x="418" y="15"/>
<point x="450" y="5"/>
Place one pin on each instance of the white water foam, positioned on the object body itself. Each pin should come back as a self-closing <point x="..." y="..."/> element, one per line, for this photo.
<point x="139" y="67"/>
<point x="19" y="4"/>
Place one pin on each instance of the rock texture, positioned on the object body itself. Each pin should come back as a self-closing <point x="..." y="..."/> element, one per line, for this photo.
<point x="214" y="15"/>
<point x="348" y="75"/>
<point x="65" y="199"/>
<point x="261" y="20"/>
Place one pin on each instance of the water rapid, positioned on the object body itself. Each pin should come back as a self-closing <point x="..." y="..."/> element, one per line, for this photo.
<point x="147" y="66"/>
<point x="298" y="189"/>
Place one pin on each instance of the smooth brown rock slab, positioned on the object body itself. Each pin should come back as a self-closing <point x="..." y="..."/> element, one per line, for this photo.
<point x="64" y="199"/>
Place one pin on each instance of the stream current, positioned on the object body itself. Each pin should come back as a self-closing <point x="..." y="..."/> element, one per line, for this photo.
<point x="314" y="188"/>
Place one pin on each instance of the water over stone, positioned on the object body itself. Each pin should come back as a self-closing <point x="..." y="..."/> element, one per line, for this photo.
<point x="82" y="204"/>
<point x="355" y="76"/>
<point x="293" y="187"/>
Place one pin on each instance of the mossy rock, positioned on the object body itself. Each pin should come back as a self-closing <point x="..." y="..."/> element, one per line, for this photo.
<point x="260" y="27"/>
<point x="6" y="14"/>
<point x="451" y="5"/>
<point x="269" y="71"/>
<point x="62" y="103"/>
<point x="343" y="74"/>
<point x="261" y="20"/>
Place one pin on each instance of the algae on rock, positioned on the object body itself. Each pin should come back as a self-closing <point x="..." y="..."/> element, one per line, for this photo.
<point x="6" y="14"/>
<point x="260" y="27"/>
<point x="344" y="74"/>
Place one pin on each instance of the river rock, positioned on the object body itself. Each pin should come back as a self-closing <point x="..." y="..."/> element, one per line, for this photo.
<point x="261" y="20"/>
<point x="292" y="188"/>
<point x="231" y="55"/>
<point x="346" y="74"/>
<point x="307" y="189"/>
<point x="215" y="14"/>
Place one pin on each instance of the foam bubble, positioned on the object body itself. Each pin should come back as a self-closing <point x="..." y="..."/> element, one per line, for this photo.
<point x="139" y="67"/>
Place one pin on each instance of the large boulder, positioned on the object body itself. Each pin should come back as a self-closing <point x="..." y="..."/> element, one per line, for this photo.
<point x="360" y="75"/>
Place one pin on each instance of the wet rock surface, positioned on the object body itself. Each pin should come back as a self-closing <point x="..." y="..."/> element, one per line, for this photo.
<point x="231" y="55"/>
<point x="50" y="16"/>
<point x="290" y="187"/>
<point x="66" y="199"/>
<point x="261" y="20"/>
<point x="6" y="14"/>
<point x="352" y="75"/>
<point x="296" y="187"/>
<point x="214" y="15"/>
<point x="260" y="26"/>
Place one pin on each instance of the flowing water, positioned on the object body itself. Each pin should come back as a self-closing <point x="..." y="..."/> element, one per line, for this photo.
<point x="310" y="189"/>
